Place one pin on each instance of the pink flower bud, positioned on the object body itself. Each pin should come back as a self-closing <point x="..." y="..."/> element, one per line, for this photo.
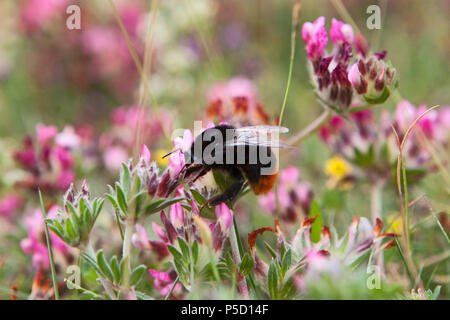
<point x="145" y="153"/>
<point x="176" y="215"/>
<point x="159" y="232"/>
<point x="224" y="216"/>
<point x="140" y="238"/>
<point x="361" y="45"/>
<point x="315" y="37"/>
<point x="341" y="32"/>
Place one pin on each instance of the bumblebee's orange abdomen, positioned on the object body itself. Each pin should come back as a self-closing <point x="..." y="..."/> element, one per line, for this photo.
<point x="264" y="184"/>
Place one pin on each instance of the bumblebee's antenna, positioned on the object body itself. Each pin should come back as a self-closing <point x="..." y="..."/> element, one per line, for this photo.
<point x="177" y="149"/>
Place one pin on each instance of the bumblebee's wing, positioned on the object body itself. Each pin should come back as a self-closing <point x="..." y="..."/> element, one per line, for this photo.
<point x="263" y="129"/>
<point x="266" y="136"/>
<point x="257" y="142"/>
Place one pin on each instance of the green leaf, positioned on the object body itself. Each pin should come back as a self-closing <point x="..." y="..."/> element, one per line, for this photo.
<point x="70" y="231"/>
<point x="287" y="290"/>
<point x="194" y="250"/>
<point x="436" y="293"/>
<point x="154" y="205"/>
<point x="125" y="179"/>
<point x="380" y="99"/>
<point x="143" y="296"/>
<point x="272" y="280"/>
<point x="286" y="261"/>
<point x="104" y="266"/>
<point x="121" y="199"/>
<point x="57" y="232"/>
<point x="93" y="264"/>
<point x="316" y="227"/>
<point x="116" y="206"/>
<point x="136" y="275"/>
<point x="175" y="253"/>
<point x="163" y="205"/>
<point x="98" y="205"/>
<point x="114" y="263"/>
<point x="333" y="199"/>
<point x="57" y="224"/>
<point x="246" y="265"/>
<point x="271" y="250"/>
<point x="184" y="248"/>
<point x="123" y="267"/>
<point x="198" y="197"/>
<point x="364" y="159"/>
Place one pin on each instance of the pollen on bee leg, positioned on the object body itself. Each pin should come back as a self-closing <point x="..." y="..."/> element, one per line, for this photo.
<point x="264" y="184"/>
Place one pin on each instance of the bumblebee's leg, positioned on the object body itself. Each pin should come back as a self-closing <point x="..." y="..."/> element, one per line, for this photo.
<point x="232" y="191"/>
<point x="228" y="195"/>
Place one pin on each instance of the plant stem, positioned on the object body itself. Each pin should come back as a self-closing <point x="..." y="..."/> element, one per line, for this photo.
<point x="405" y="192"/>
<point x="376" y="203"/>
<point x="311" y="128"/>
<point x="49" y="246"/>
<point x="376" y="189"/>
<point x="126" y="250"/>
<point x="234" y="236"/>
<point x="171" y="289"/>
<point x="295" y="24"/>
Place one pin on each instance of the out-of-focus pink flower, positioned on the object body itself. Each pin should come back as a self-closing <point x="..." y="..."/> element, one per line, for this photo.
<point x="49" y="164"/>
<point x="238" y="87"/>
<point x="9" y="204"/>
<point x="64" y="157"/>
<point x="294" y="197"/>
<point x="315" y="37"/>
<point x="268" y="202"/>
<point x="140" y="238"/>
<point x="236" y="102"/>
<point x="68" y="138"/>
<point x="163" y="282"/>
<point x="433" y="126"/>
<point x="27" y="156"/>
<point x="405" y="113"/>
<point x="65" y="178"/>
<point x="45" y="133"/>
<point x="131" y="14"/>
<point x="35" y="244"/>
<point x="113" y="158"/>
<point x="343" y="138"/>
<point x="159" y="232"/>
<point x="361" y="45"/>
<point x="120" y="140"/>
<point x="289" y="176"/>
<point x="35" y="13"/>
<point x="341" y="32"/>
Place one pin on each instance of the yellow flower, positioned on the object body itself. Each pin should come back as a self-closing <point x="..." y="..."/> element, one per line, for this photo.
<point x="337" y="168"/>
<point x="159" y="160"/>
<point x="395" y="224"/>
<point x="339" y="172"/>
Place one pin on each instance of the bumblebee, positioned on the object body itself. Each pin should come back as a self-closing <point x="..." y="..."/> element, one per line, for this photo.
<point x="244" y="154"/>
